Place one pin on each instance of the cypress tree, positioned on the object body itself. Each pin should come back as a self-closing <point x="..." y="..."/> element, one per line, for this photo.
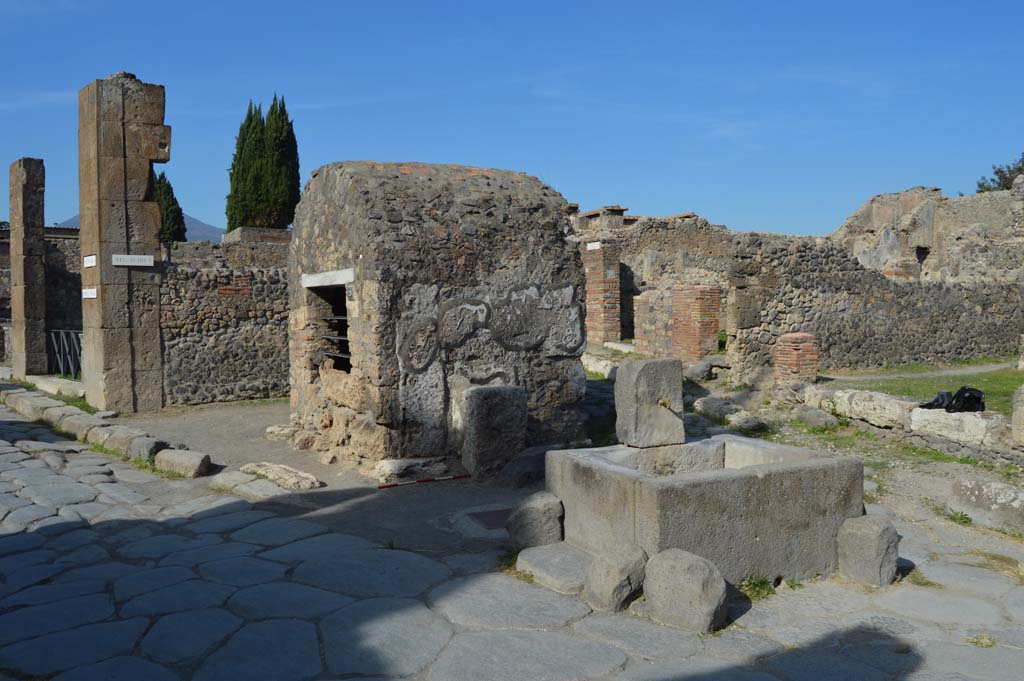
<point x="264" y="175"/>
<point x="172" y="219"/>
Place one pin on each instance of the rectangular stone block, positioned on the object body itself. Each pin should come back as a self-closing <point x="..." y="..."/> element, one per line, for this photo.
<point x="123" y="179"/>
<point x="599" y="497"/>
<point x="649" y="403"/>
<point x="492" y="424"/>
<point x="148" y="141"/>
<point x="975" y="429"/>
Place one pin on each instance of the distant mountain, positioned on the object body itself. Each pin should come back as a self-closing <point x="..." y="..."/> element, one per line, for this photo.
<point x="195" y="230"/>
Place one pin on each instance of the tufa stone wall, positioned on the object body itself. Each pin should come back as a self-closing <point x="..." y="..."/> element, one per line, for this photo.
<point x="653" y="323"/>
<point x="860" y="317"/>
<point x="450" y="277"/>
<point x="224" y="321"/>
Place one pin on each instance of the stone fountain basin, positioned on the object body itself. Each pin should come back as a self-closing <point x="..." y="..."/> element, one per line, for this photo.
<point x="754" y="508"/>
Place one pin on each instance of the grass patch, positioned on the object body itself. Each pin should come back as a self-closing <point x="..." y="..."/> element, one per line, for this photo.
<point x="982" y="641"/>
<point x="933" y="455"/>
<point x="959" y="517"/>
<point x="76" y="402"/>
<point x="757" y="588"/>
<point x="595" y="376"/>
<point x="922" y="368"/>
<point x="794" y="584"/>
<point x="1004" y="565"/>
<point x="917" y="578"/>
<point x="507" y="565"/>
<point x="998" y="387"/>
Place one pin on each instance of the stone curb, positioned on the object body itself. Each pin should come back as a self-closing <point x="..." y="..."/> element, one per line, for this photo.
<point x="84" y="427"/>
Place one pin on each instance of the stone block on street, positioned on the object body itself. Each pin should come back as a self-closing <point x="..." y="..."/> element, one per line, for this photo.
<point x="184" y="463"/>
<point x="285" y="476"/>
<point x="492" y="423"/>
<point x="649" y="403"/>
<point x="536" y="521"/>
<point x="612" y="580"/>
<point x="868" y="549"/>
<point x="684" y="590"/>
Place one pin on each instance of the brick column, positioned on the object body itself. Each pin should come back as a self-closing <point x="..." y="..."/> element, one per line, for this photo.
<point x="695" y="318"/>
<point x="601" y="266"/>
<point x="120" y="134"/>
<point x="28" y="273"/>
<point x="796" y="358"/>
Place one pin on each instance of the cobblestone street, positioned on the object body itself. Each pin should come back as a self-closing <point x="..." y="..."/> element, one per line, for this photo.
<point x="110" y="572"/>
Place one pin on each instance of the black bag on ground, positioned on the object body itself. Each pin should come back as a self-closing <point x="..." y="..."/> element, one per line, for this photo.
<point x="967" y="399"/>
<point x="942" y="400"/>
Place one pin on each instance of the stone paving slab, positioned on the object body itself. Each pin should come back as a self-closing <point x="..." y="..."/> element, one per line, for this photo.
<point x="208" y="586"/>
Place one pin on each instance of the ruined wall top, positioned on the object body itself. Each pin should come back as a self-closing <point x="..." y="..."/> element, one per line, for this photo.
<point x="443" y="224"/>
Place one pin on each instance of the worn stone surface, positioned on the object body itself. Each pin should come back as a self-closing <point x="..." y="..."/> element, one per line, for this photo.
<point x="560" y="567"/>
<point x="613" y="579"/>
<point x="988" y="502"/>
<point x="684" y="590"/>
<point x="500" y="602"/>
<point x="715" y="408"/>
<point x="183" y="462"/>
<point x="397" y="637"/>
<point x="523" y="656"/>
<point x="186" y="636"/>
<point x="373" y="572"/>
<point x="649" y="403"/>
<point x="536" y="521"/>
<point x="868" y="550"/>
<point x="813" y="417"/>
<point x="497" y="301"/>
<point x="281" y="475"/>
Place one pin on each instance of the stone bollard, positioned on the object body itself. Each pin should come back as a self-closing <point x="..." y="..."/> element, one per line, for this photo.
<point x="796" y="358"/>
<point x="684" y="590"/>
<point x="649" y="403"/>
<point x="492" y="420"/>
<point x="613" y="580"/>
<point x="536" y="521"/>
<point x="868" y="550"/>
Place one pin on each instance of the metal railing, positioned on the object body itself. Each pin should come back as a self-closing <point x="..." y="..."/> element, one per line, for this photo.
<point x="65" y="352"/>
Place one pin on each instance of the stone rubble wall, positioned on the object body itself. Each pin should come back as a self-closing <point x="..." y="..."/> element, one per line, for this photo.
<point x="63" y="265"/>
<point x="459" y="277"/>
<point x="653" y="323"/>
<point x="224" y="321"/>
<point x="860" y="317"/>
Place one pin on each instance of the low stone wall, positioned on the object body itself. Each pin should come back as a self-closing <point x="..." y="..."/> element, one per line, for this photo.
<point x="985" y="436"/>
<point x="224" y="321"/>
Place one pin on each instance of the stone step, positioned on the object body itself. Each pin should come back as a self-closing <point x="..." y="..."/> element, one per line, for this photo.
<point x="560" y="567"/>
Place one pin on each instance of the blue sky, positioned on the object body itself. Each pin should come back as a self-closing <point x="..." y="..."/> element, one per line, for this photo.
<point x="769" y="116"/>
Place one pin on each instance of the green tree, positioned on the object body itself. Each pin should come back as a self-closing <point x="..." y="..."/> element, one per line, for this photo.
<point x="1002" y="176"/>
<point x="264" y="175"/>
<point x="172" y="220"/>
<point x="4" y="224"/>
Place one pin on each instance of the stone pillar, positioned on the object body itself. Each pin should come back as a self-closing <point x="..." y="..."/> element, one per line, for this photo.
<point x="604" y="298"/>
<point x="796" y="358"/>
<point x="696" y="311"/>
<point x="120" y="134"/>
<point x="28" y="272"/>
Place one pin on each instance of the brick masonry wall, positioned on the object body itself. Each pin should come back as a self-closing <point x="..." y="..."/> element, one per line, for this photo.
<point x="601" y="268"/>
<point x="696" y="312"/>
<point x="796" y="358"/>
<point x="224" y="321"/>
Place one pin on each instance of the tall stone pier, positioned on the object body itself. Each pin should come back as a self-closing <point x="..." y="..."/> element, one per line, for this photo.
<point x="28" y="274"/>
<point x="120" y="135"/>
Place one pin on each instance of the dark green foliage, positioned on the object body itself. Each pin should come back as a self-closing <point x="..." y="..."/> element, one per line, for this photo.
<point x="172" y="220"/>
<point x="1002" y="176"/>
<point x="264" y="175"/>
<point x="4" y="224"/>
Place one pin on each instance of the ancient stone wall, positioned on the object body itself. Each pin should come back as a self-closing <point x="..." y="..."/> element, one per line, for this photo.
<point x="224" y="321"/>
<point x="447" y="277"/>
<point x="860" y="317"/>
<point x="652" y="318"/>
<point x="63" y="263"/>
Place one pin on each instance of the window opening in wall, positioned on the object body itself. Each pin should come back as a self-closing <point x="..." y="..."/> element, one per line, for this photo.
<point x="336" y="342"/>
<point x="922" y="254"/>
